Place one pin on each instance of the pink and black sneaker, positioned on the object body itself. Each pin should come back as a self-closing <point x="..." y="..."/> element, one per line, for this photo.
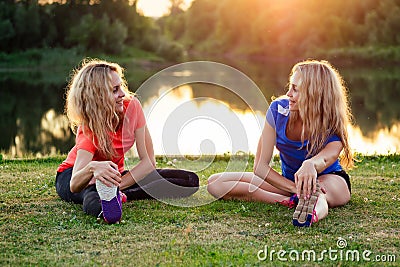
<point x="305" y="214"/>
<point x="111" y="202"/>
<point x="291" y="203"/>
<point x="124" y="198"/>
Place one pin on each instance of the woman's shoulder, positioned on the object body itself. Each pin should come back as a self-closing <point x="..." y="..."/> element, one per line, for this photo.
<point x="84" y="136"/>
<point x="84" y="130"/>
<point x="282" y="101"/>
<point x="277" y="109"/>
<point x="131" y="102"/>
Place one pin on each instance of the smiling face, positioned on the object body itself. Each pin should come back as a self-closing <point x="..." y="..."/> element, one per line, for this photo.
<point x="293" y="93"/>
<point x="117" y="91"/>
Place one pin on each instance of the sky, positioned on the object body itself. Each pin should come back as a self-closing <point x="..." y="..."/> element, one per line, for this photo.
<point x="157" y="8"/>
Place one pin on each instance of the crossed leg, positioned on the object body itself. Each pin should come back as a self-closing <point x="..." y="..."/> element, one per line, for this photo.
<point x="247" y="186"/>
<point x="244" y="186"/>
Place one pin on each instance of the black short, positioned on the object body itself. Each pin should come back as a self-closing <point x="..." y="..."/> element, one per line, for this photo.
<point x="342" y="174"/>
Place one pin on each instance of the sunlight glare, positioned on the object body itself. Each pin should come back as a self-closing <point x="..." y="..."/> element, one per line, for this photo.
<point x="384" y="141"/>
<point x="196" y="135"/>
<point x="157" y="8"/>
<point x="201" y="132"/>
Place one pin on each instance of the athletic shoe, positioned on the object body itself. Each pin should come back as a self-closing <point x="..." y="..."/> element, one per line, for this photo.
<point x="124" y="198"/>
<point x="305" y="214"/>
<point x="110" y="202"/>
<point x="291" y="203"/>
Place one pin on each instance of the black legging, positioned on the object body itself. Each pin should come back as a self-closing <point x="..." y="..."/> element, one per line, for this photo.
<point x="161" y="183"/>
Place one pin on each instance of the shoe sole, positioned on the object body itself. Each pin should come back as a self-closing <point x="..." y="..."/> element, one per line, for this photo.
<point x="302" y="216"/>
<point x="111" y="206"/>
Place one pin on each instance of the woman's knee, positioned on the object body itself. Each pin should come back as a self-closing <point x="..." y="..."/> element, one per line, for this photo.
<point x="337" y="201"/>
<point x="214" y="185"/>
<point x="337" y="192"/>
<point x="221" y="184"/>
<point x="213" y="178"/>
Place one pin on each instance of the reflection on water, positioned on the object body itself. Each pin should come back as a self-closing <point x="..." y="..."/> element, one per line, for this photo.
<point x="383" y="141"/>
<point x="31" y="105"/>
<point x="209" y="134"/>
<point x="52" y="127"/>
<point x="181" y="124"/>
<point x="196" y="118"/>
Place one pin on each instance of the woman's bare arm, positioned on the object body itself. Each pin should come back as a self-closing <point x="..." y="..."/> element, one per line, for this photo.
<point x="146" y="163"/>
<point x="262" y="160"/>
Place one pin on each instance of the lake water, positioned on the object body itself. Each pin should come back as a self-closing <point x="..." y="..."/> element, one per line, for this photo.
<point x="197" y="109"/>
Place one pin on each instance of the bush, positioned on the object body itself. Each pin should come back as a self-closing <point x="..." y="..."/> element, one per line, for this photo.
<point x="170" y="50"/>
<point x="98" y="35"/>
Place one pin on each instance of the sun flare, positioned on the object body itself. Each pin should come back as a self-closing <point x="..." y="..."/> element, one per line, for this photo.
<point x="158" y="8"/>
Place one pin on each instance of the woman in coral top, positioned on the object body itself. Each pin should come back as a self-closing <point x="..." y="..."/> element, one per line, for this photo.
<point x="108" y="120"/>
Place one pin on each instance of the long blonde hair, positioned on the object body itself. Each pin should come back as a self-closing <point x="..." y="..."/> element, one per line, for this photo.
<point x="323" y="107"/>
<point x="91" y="103"/>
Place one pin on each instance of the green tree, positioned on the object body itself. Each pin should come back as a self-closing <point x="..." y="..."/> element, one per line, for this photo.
<point x="27" y="26"/>
<point x="93" y="34"/>
<point x="115" y="36"/>
<point x="7" y="31"/>
<point x="295" y="28"/>
<point x="200" y="22"/>
<point x="6" y="34"/>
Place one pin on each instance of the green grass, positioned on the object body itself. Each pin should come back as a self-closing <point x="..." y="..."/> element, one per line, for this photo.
<point x="37" y="228"/>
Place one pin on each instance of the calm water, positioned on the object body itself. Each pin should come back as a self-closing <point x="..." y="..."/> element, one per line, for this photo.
<point x="196" y="118"/>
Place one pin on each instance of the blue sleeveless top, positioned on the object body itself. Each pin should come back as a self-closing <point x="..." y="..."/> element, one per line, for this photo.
<point x="292" y="153"/>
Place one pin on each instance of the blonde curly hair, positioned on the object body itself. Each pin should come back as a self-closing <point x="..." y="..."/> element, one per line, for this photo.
<point x="91" y="104"/>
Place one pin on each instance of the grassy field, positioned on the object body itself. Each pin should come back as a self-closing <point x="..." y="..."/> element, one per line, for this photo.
<point x="37" y="228"/>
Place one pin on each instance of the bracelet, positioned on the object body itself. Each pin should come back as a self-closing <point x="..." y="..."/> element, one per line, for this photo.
<point x="133" y="178"/>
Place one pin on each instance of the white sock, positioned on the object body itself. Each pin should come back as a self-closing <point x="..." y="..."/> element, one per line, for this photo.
<point x="106" y="192"/>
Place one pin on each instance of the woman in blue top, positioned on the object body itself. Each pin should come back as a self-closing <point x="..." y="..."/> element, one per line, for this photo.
<point x="309" y="128"/>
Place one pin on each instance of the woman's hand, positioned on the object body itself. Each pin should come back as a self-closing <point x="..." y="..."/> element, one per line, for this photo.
<point x="106" y="172"/>
<point x="306" y="179"/>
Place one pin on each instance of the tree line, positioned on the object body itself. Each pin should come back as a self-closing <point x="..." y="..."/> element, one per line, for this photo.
<point x="100" y="26"/>
<point x="285" y="28"/>
<point x="255" y="28"/>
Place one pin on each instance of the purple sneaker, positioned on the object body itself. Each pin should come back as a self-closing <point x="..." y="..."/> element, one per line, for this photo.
<point x="110" y="202"/>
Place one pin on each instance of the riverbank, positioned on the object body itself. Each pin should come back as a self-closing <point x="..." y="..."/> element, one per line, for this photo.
<point x="54" y="65"/>
<point x="382" y="56"/>
<point x="346" y="56"/>
<point x="40" y="229"/>
<point x="60" y="59"/>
